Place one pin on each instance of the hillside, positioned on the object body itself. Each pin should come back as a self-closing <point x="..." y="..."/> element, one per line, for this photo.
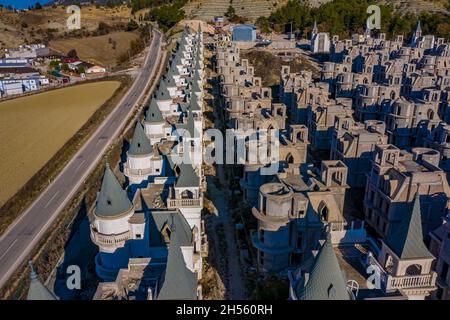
<point x="99" y="49"/>
<point x="50" y="22"/>
<point x="250" y="9"/>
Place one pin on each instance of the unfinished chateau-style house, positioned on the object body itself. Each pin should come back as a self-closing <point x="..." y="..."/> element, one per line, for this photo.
<point x="376" y="118"/>
<point x="352" y="204"/>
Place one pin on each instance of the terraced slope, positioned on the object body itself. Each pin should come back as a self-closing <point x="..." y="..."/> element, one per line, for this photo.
<point x="417" y="6"/>
<point x="252" y="9"/>
<point x="206" y="10"/>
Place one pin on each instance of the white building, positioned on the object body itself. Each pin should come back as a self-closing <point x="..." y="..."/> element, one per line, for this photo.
<point x="320" y="41"/>
<point x="157" y="237"/>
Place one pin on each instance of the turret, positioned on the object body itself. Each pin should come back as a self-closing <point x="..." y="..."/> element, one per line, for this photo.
<point x="405" y="258"/>
<point x="154" y="123"/>
<point x="37" y="290"/>
<point x="141" y="160"/>
<point x="325" y="281"/>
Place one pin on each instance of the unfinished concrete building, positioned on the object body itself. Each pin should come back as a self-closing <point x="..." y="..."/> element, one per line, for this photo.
<point x="354" y="143"/>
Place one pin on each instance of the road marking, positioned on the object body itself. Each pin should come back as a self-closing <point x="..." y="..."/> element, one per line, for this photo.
<point x="51" y="199"/>
<point x="10" y="266"/>
<point x="10" y="246"/>
<point x="78" y="167"/>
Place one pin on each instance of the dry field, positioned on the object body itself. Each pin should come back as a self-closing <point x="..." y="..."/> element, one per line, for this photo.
<point x="16" y="28"/>
<point x="97" y="50"/>
<point x="34" y="128"/>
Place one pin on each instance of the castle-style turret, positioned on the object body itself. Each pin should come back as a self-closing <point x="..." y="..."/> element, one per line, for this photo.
<point x="141" y="160"/>
<point x="406" y="261"/>
<point x="417" y="34"/>
<point x="163" y="98"/>
<point x="154" y="123"/>
<point x="110" y="227"/>
<point x="325" y="281"/>
<point x="315" y="30"/>
<point x="37" y="290"/>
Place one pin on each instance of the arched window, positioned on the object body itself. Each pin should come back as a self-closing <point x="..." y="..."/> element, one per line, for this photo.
<point x="289" y="158"/>
<point x="323" y="211"/>
<point x="413" y="270"/>
<point x="187" y="194"/>
<point x="392" y="95"/>
<point x="430" y="114"/>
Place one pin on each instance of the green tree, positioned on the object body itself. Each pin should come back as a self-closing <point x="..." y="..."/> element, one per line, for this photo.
<point x="231" y="12"/>
<point x="81" y="70"/>
<point x="65" y="67"/>
<point x="132" y="25"/>
<point x="72" y="53"/>
<point x="263" y="24"/>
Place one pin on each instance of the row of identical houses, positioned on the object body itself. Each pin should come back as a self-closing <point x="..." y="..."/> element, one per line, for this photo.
<point x="150" y="236"/>
<point x="149" y="232"/>
<point x="379" y="112"/>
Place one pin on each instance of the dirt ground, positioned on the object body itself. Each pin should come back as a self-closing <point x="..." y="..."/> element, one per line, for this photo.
<point x="98" y="50"/>
<point x="30" y="26"/>
<point x="34" y="128"/>
<point x="271" y="76"/>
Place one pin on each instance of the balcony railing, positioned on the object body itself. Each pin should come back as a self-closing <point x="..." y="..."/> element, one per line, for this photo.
<point x="137" y="172"/>
<point x="113" y="240"/>
<point x="416" y="281"/>
<point x="391" y="283"/>
<point x="185" y="203"/>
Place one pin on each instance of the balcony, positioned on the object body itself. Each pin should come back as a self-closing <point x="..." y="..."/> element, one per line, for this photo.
<point x="282" y="220"/>
<point x="137" y="172"/>
<point x="112" y="241"/>
<point x="391" y="283"/>
<point x="409" y="282"/>
<point x="184" y="203"/>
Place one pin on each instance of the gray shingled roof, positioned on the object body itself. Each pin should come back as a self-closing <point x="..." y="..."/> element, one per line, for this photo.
<point x="172" y="71"/>
<point x="163" y="92"/>
<point x="195" y="87"/>
<point x="197" y="58"/>
<point x="154" y="114"/>
<point x="190" y="125"/>
<point x="188" y="177"/>
<point x="157" y="221"/>
<point x="176" y="61"/>
<point x="325" y="281"/>
<point x="406" y="240"/>
<point x="196" y="75"/>
<point x="194" y="104"/>
<point x="139" y="145"/>
<point x="169" y="81"/>
<point x="37" y="290"/>
<point x="112" y="200"/>
<point x="179" y="282"/>
<point x="418" y="27"/>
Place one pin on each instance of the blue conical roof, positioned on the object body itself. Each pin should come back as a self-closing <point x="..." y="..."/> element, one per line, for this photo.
<point x="37" y="290"/>
<point x="139" y="145"/>
<point x="153" y="114"/>
<point x="325" y="281"/>
<point x="112" y="200"/>
<point x="406" y="240"/>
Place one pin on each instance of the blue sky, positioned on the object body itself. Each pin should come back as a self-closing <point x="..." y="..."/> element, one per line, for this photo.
<point x="21" y="4"/>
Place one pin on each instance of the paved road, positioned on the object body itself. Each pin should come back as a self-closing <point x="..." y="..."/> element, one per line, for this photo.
<point x="26" y="231"/>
